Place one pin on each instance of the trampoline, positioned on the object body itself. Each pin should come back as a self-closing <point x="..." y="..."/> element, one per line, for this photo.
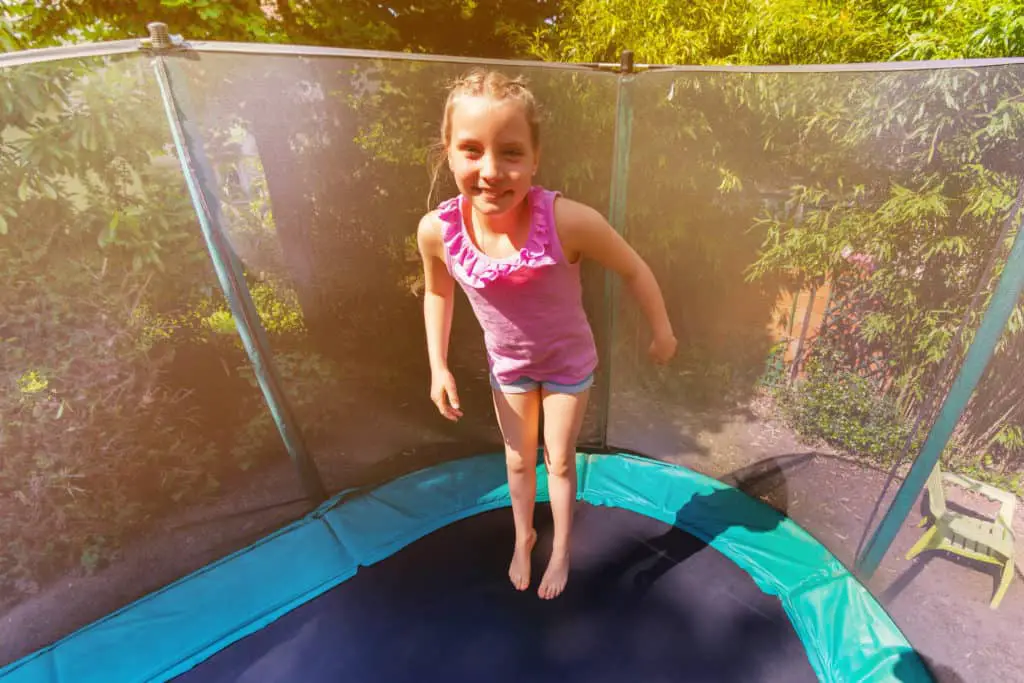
<point x="407" y="581"/>
<point x="261" y="153"/>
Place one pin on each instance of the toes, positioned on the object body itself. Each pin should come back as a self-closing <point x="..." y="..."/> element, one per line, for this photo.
<point x="551" y="588"/>
<point x="551" y="592"/>
<point x="519" y="582"/>
<point x="555" y="578"/>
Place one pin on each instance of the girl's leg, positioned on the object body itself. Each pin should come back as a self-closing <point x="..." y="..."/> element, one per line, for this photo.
<point x="518" y="418"/>
<point x="563" y="417"/>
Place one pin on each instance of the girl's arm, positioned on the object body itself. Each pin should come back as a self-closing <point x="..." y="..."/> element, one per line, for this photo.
<point x="438" y="293"/>
<point x="438" y="301"/>
<point x="584" y="233"/>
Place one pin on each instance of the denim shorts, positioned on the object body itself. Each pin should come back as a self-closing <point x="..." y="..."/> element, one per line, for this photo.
<point x="525" y="385"/>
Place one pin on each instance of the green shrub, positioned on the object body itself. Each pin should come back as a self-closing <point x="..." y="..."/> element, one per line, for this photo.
<point x="845" y="410"/>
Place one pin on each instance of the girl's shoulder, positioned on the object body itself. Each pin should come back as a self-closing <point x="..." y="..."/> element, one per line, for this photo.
<point x="567" y="212"/>
<point x="440" y="228"/>
<point x="430" y="232"/>
<point x="575" y="223"/>
<point x="572" y="212"/>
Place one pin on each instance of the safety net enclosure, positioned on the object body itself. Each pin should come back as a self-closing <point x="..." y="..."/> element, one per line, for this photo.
<point x="219" y="457"/>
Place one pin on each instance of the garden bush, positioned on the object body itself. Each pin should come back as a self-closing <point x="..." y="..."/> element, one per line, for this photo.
<point x="844" y="409"/>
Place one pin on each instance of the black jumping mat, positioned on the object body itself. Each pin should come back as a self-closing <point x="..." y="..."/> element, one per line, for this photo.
<point x="645" y="603"/>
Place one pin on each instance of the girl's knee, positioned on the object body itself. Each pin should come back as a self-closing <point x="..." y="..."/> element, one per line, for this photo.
<point x="519" y="462"/>
<point x="561" y="464"/>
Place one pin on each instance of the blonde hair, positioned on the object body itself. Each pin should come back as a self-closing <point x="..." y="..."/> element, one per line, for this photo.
<point x="481" y="82"/>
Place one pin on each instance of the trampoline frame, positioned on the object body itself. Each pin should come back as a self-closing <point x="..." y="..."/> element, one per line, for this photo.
<point x="846" y="634"/>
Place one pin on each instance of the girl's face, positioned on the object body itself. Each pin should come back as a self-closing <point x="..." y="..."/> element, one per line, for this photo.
<point x="491" y="153"/>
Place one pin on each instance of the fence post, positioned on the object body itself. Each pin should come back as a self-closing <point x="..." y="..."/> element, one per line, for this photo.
<point x="199" y="177"/>
<point x="617" y="218"/>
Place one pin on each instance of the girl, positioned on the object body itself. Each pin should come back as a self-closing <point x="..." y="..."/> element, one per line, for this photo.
<point x="515" y="250"/>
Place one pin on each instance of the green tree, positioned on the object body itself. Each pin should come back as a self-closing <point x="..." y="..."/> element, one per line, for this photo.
<point x="770" y="32"/>
<point x="462" y="27"/>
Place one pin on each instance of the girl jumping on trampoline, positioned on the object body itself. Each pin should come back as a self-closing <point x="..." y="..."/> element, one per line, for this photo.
<point x="515" y="250"/>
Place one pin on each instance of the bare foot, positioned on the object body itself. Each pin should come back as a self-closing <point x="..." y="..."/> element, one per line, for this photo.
<point x="555" y="577"/>
<point x="519" y="569"/>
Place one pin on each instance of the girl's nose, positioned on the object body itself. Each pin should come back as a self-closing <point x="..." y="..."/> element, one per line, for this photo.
<point x="489" y="166"/>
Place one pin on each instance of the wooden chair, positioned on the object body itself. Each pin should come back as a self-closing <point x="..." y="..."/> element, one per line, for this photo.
<point x="978" y="539"/>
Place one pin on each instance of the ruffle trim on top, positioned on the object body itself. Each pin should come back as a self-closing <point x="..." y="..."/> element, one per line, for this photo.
<point x="476" y="268"/>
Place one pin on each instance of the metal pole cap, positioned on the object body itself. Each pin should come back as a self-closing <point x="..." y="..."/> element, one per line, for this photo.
<point x="159" y="36"/>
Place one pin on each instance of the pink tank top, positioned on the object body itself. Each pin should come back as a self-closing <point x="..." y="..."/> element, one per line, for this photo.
<point x="530" y="306"/>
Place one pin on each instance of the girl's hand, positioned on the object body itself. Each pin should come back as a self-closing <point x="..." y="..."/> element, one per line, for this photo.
<point x="444" y="394"/>
<point x="663" y="347"/>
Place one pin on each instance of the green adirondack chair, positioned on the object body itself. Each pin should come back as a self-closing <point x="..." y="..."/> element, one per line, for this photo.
<point x="979" y="539"/>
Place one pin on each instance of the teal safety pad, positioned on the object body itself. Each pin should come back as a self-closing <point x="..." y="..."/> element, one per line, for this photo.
<point x="380" y="522"/>
<point x="767" y="545"/>
<point x="852" y="637"/>
<point x="377" y="523"/>
<point x="168" y="632"/>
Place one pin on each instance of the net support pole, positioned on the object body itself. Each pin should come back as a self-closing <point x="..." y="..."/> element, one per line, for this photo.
<point x="199" y="177"/>
<point x="617" y="216"/>
<point x="1004" y="300"/>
